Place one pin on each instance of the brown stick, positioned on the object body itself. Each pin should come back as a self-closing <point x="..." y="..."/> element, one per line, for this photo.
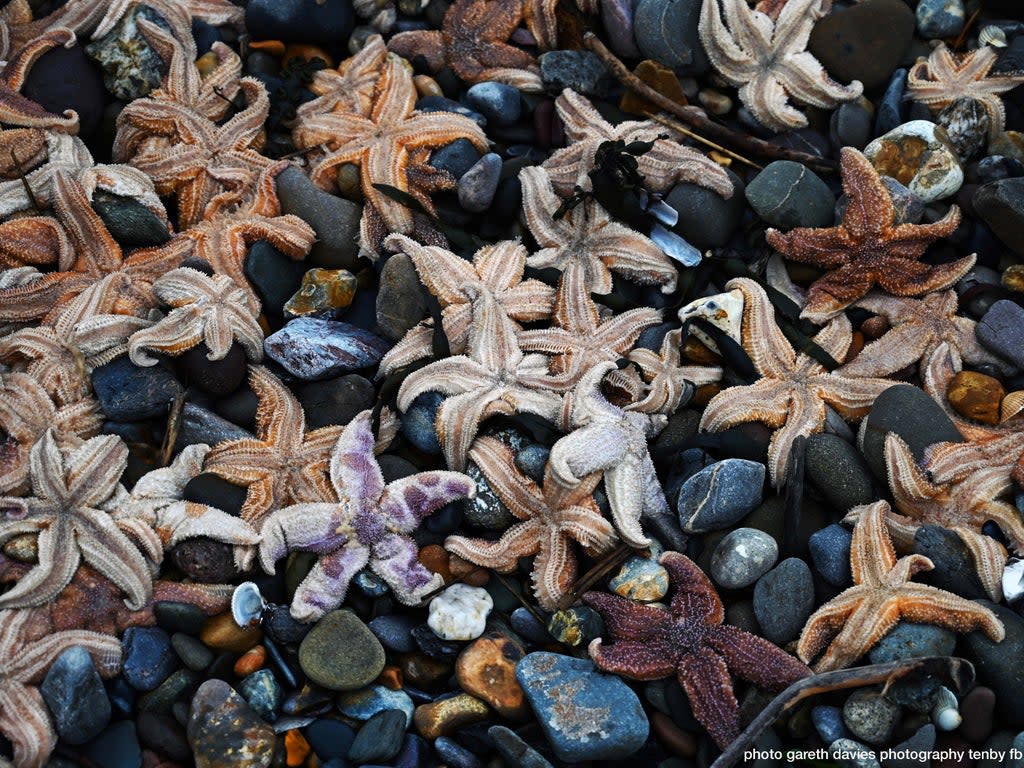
<point x="696" y="119"/>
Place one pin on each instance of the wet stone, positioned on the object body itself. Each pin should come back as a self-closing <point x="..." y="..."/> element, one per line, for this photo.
<point x="828" y="722"/>
<point x="367" y="702"/>
<point x="418" y="428"/>
<point x="329" y="738"/>
<point x="436" y="647"/>
<point x="129" y="222"/>
<point x="870" y="716"/>
<point x="580" y="70"/>
<point x="863" y="42"/>
<point x="394" y="632"/>
<point x="117" y="746"/>
<point x="706" y="219"/>
<point x="720" y="495"/>
<point x="784" y="599"/>
<point x="640" y="578"/>
<point x="66" y="78"/>
<point x="334" y="401"/>
<point x="837" y="469"/>
<point x="131" y="68"/>
<point x="498" y="102"/>
<point x="919" y="155"/>
<point x="1001" y="205"/>
<point x="262" y="692"/>
<point x="446" y="716"/>
<point x="273" y="275"/>
<point x="127" y="392"/>
<point x="219" y="716"/>
<point x="830" y="553"/>
<point x="310" y="348"/>
<point x="940" y="18"/>
<point x="788" y="195"/>
<point x="922" y="741"/>
<point x="400" y="300"/>
<point x="193" y="654"/>
<point x="477" y="186"/>
<point x="742" y="557"/>
<point x="460" y="612"/>
<point x="576" y="626"/>
<point x="325" y="22"/>
<point x="163" y="734"/>
<point x="74" y="695"/>
<point x="1001" y="329"/>
<point x="666" y="31"/>
<point x="380" y="739"/>
<point x="204" y="560"/>
<point x="487" y="670"/>
<point x="340" y="653"/>
<point x="322" y="290"/>
<point x="455" y="756"/>
<point x="334" y="219"/>
<point x="456" y="158"/>
<point x="148" y="658"/>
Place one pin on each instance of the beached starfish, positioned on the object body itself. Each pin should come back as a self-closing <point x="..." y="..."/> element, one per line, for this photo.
<point x="540" y="17"/>
<point x="666" y="377"/>
<point x="17" y="110"/>
<point x="849" y="625"/>
<point x="204" y="310"/>
<point x="551" y="518"/>
<point x="493" y="377"/>
<point x="917" y="327"/>
<point x="66" y="511"/>
<point x="382" y="144"/>
<point x="666" y="163"/>
<point x="35" y="241"/>
<point x="472" y="42"/>
<point x="690" y="641"/>
<point x="368" y="525"/>
<point x="284" y="464"/>
<point x="24" y="660"/>
<point x="608" y="439"/>
<point x="794" y="387"/>
<point x="588" y="238"/>
<point x="499" y="267"/>
<point x="349" y="88"/>
<point x="867" y="248"/>
<point x="763" y="52"/>
<point x="945" y="76"/>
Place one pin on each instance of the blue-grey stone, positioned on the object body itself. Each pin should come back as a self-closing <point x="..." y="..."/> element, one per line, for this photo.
<point x="300" y="21"/>
<point x="454" y="755"/>
<point x="922" y="741"/>
<point x="720" y="495"/>
<point x="329" y="738"/>
<point x="742" y="557"/>
<point x="380" y="738"/>
<point x="367" y="702"/>
<point x="640" y="578"/>
<point x="706" y="219"/>
<point x="1000" y="665"/>
<point x="310" y="348"/>
<point x="418" y="422"/>
<point x="199" y="425"/>
<point x="456" y="158"/>
<point x="477" y="186"/>
<point x="514" y="750"/>
<point x="787" y="195"/>
<point x="149" y="658"/>
<point x="666" y="31"/>
<point x="830" y="553"/>
<point x="74" y="694"/>
<point x="828" y="722"/>
<point x="850" y="125"/>
<point x="617" y="19"/>
<point x="444" y="104"/>
<point x="413" y="754"/>
<point x="580" y="70"/>
<point x="909" y="640"/>
<point x="783" y="600"/>
<point x="498" y="102"/>
<point x="940" y="18"/>
<point x="263" y="693"/>
<point x="394" y="630"/>
<point x="127" y="392"/>
<point x="532" y="460"/>
<point x="585" y="715"/>
<point x="891" y="110"/>
<point x="525" y="624"/>
<point x="116" y="747"/>
<point x="1001" y="331"/>
<point x="849" y="753"/>
<point x="954" y="569"/>
<point x="334" y="219"/>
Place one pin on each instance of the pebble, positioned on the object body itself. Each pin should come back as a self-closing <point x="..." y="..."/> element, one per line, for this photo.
<point x="706" y="219"/>
<point x="850" y="124"/>
<point x="131" y="68"/>
<point x="273" y="275"/>
<point x="870" y="716"/>
<point x="329" y="738"/>
<point x="400" y="300"/>
<point x="193" y="654"/>
<point x="418" y="428"/>
<point x="787" y="195"/>
<point x="443" y="104"/>
<point x="380" y="738"/>
<point x="940" y="18"/>
<point x="128" y="221"/>
<point x="1000" y="330"/>
<point x="742" y="557"/>
<point x="922" y="741"/>
<point x="720" y="495"/>
<point x="322" y="291"/>
<point x="179" y="685"/>
<point x="585" y="715"/>
<point x="920" y="156"/>
<point x="164" y="735"/>
<point x="640" y="578"/>
<point x="446" y="716"/>
<point x="828" y="722"/>
<point x="580" y="70"/>
<point x="830" y="553"/>
<point x="837" y="469"/>
<point x="1000" y="204"/>
<point x="334" y="401"/>
<point x="149" y="658"/>
<point x="367" y="702"/>
<point x="66" y="78"/>
<point x="911" y="414"/>
<point x="222" y="633"/>
<point x="117" y="746"/>
<point x="262" y="692"/>
<point x="617" y="20"/>
<point x="127" y="392"/>
<point x="204" y="560"/>
<point x="310" y="348"/>
<point x="576" y="626"/>
<point x="666" y="31"/>
<point x="179" y="617"/>
<point x="783" y="600"/>
<point x="477" y="186"/>
<point x="337" y="665"/>
<point x="977" y="708"/>
<point x="334" y="219"/>
<point x="216" y="377"/>
<point x="863" y="42"/>
<point x="527" y="626"/>
<point x="514" y="750"/>
<point x="498" y="102"/>
<point x="394" y="631"/>
<point x="433" y="646"/>
<point x="891" y="110"/>
<point x="218" y="717"/>
<point x="487" y="670"/>
<point x="976" y="396"/>
<point x="954" y="567"/>
<point x="852" y="754"/>
<point x="1000" y="666"/>
<point x="75" y="696"/>
<point x="460" y="612"/>
<point x="456" y="158"/>
<point x="208" y="488"/>
<point x="324" y="22"/>
<point x="455" y="756"/>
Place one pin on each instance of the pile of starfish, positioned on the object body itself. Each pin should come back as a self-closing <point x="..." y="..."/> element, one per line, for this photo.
<point x="82" y="553"/>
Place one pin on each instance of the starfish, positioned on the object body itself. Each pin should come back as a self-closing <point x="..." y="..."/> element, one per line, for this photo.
<point x="368" y="525"/>
<point x="24" y="660"/>
<point x="349" y="88"/>
<point x="608" y="439"/>
<point x="498" y="267"/>
<point x="587" y="238"/>
<point x="867" y="249"/>
<point x="472" y="42"/>
<point x="552" y="517"/>
<point x="794" y="388"/>
<point x="944" y="77"/>
<point x="155" y="504"/>
<point x="690" y="641"/>
<point x="98" y="256"/>
<point x="17" y="110"/>
<point x="963" y="506"/>
<point x="383" y="143"/>
<point x="211" y="310"/>
<point x="763" y="52"/>
<point x="541" y="19"/>
<point x="666" y="377"/>
<point x="36" y="241"/>
<point x="493" y="377"/>
<point x="665" y="164"/>
<point x="854" y="621"/>
<point x="918" y="326"/>
<point x="284" y="464"/>
<point x="66" y="510"/>
<point x="21" y="149"/>
<point x="233" y="222"/>
<point x="195" y="158"/>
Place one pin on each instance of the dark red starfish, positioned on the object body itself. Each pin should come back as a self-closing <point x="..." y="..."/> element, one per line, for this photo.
<point x="691" y="642"/>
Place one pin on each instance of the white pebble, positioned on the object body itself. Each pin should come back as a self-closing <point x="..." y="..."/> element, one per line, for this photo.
<point x="460" y="612"/>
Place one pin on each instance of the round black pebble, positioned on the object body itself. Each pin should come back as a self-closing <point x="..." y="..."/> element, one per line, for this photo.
<point x="66" y="78"/>
<point x="218" y="377"/>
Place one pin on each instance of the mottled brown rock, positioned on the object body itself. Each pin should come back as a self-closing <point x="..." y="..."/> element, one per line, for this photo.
<point x="224" y="732"/>
<point x="487" y="669"/>
<point x="421" y="670"/>
<point x="222" y="634"/>
<point x="441" y="718"/>
<point x="976" y="396"/>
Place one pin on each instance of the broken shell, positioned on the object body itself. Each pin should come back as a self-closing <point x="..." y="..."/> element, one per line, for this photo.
<point x="247" y="604"/>
<point x="992" y="35"/>
<point x="1012" y="406"/>
<point x="945" y="711"/>
<point x="723" y="310"/>
<point x="1013" y="580"/>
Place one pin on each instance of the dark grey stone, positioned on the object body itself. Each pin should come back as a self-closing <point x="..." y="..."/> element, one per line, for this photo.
<point x="498" y="102"/>
<point x="128" y="221"/>
<point x="199" y="425"/>
<point x="380" y="739"/>
<point x="830" y="553"/>
<point x="456" y="158"/>
<point x="784" y="600"/>
<point x="940" y="18"/>
<point x="74" y="694"/>
<point x="335" y="401"/>
<point x="274" y="276"/>
<point x="300" y="21"/>
<point x="477" y="186"/>
<point x="131" y="393"/>
<point x="400" y="300"/>
<point x="1001" y="331"/>
<point x="334" y="219"/>
<point x="148" y="657"/>
<point x="706" y="219"/>
<point x="909" y="640"/>
<point x="720" y="495"/>
<point x="514" y="750"/>
<point x="837" y="469"/>
<point x="787" y="195"/>
<point x="580" y="70"/>
<point x="1001" y="205"/>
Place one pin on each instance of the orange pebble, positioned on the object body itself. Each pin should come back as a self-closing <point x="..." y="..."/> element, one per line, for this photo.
<point x="251" y="660"/>
<point x="306" y="53"/>
<point x="296" y="747"/>
<point x="434" y="557"/>
<point x="274" y="47"/>
<point x="391" y="677"/>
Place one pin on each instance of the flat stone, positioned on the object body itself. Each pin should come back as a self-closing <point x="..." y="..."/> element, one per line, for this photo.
<point x="220" y="717"/>
<point x="863" y="42"/>
<point x="830" y="553"/>
<point x="640" y="578"/>
<point x="311" y="349"/>
<point x="446" y="716"/>
<point x="706" y="219"/>
<point x="127" y="392"/>
<point x="341" y="653"/>
<point x="720" y="495"/>
<point x="334" y="219"/>
<point x="787" y="195"/>
<point x="323" y="22"/>
<point x="380" y="739"/>
<point x="477" y="186"/>
<point x="367" y="702"/>
<point x="460" y="612"/>
<point x="75" y="696"/>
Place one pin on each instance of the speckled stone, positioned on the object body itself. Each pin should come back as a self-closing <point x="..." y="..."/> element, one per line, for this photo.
<point x="576" y="626"/>
<point x="640" y="578"/>
<point x="487" y="670"/>
<point x="311" y="348"/>
<point x="367" y="702"/>
<point x="870" y="716"/>
<point x="742" y="557"/>
<point x="920" y="156"/>
<point x="224" y="732"/>
<point x="446" y="716"/>
<point x="784" y="599"/>
<point x="341" y="653"/>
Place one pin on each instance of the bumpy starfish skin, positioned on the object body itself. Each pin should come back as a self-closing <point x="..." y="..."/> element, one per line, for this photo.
<point x="472" y="42"/>
<point x="690" y="641"/>
<point x="867" y="249"/>
<point x="284" y="464"/>
<point x="17" y="110"/>
<point x="666" y="163"/>
<point x="551" y="518"/>
<point x="764" y="55"/>
<point x="794" y="388"/>
<point x="944" y="77"/>
<point x="24" y="660"/>
<point x="66" y="511"/>
<point x="211" y="310"/>
<point x="608" y="439"/>
<point x="350" y="87"/>
<point x="849" y="625"/>
<point x="666" y="377"/>
<point x="368" y="525"/>
<point x="34" y="241"/>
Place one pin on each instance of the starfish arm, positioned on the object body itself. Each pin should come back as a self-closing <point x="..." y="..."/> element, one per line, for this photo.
<point x="626" y="487"/>
<point x="501" y="265"/>
<point x="408" y="501"/>
<point x="826" y="622"/>
<point x="58" y="559"/>
<point x="766" y="401"/>
<point x="695" y="598"/>
<point x="113" y="554"/>
<point x="762" y="339"/>
<point x="519" y="493"/>
<point x="300" y="527"/>
<point x="629" y="253"/>
<point x="670" y="162"/>
<point x="539" y="204"/>
<point x="755" y="659"/>
<point x="37" y="656"/>
<point x="768" y="101"/>
<point x="394" y="559"/>
<point x="326" y="584"/>
<point x="426" y="43"/>
<point x="831" y="293"/>
<point x="172" y="335"/>
<point x="520" y="540"/>
<point x="988" y="557"/>
<point x="451" y="376"/>
<point x="871" y="552"/>
<point x="828" y="248"/>
<point x="187" y="520"/>
<point x="928" y="605"/>
<point x="588" y="449"/>
<point x="897" y="348"/>
<point x="585" y="525"/>
<point x="637" y="661"/>
<point x="355" y="473"/>
<point x="279" y="417"/>
<point x="459" y="419"/>
<point x="441" y="271"/>
<point x="730" y="54"/>
<point x="25" y="721"/>
<point x="705" y="678"/>
<point x="568" y="166"/>
<point x="807" y="82"/>
<point x="628" y="620"/>
<point x="529" y="300"/>
<point x="851" y="396"/>
<point x="910" y="485"/>
<point x="912" y="278"/>
<point x="415" y="345"/>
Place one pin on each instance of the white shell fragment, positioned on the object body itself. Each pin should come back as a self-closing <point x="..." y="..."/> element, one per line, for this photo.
<point x="247" y="604"/>
<point x="724" y="310"/>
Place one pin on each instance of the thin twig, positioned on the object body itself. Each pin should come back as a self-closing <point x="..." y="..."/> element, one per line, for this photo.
<point x="966" y="28"/>
<point x="604" y="566"/>
<point x="680" y="128"/>
<point x="696" y="119"/>
<point x="959" y="673"/>
<point x="173" y="428"/>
